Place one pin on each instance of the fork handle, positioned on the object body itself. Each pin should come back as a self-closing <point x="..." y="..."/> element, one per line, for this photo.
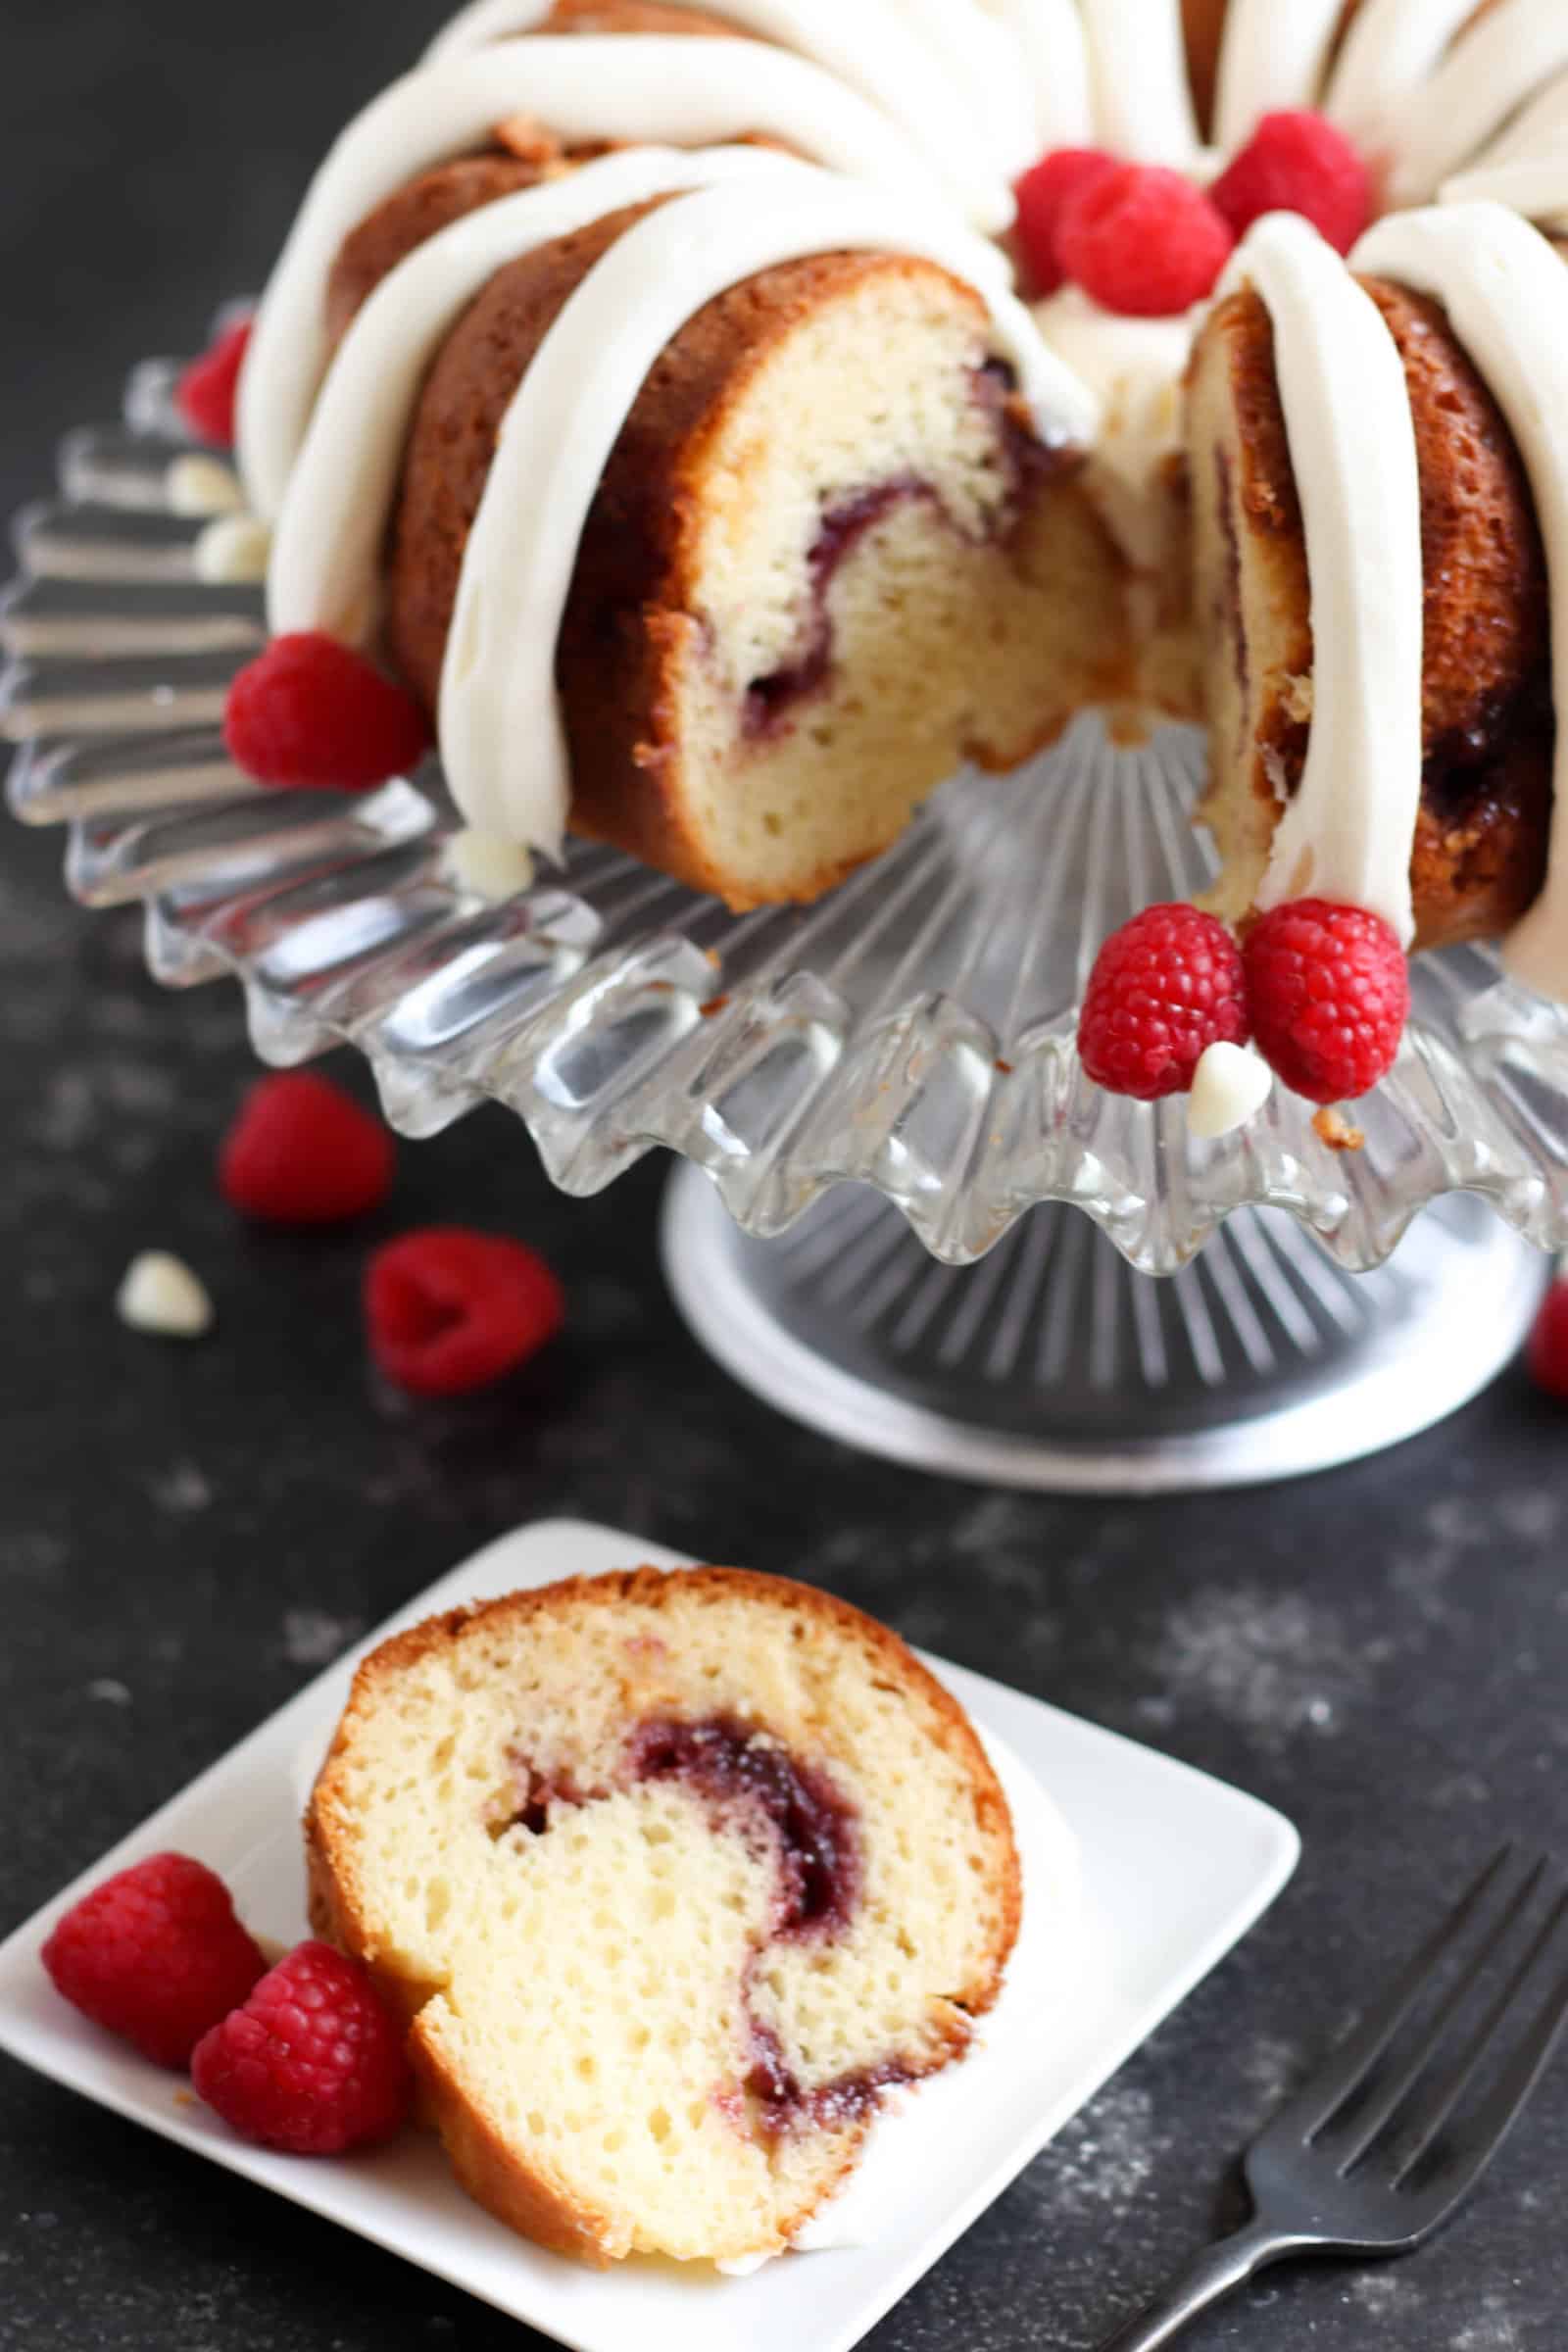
<point x="1215" y="2273"/>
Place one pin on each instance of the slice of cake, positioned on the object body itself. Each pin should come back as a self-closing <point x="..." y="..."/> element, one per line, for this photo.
<point x="673" y="1876"/>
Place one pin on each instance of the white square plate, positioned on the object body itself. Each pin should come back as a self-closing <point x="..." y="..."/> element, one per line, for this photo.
<point x="1176" y="1869"/>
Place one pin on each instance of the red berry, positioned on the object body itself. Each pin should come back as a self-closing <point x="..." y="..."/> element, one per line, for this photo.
<point x="155" y="1954"/>
<point x="1330" y="989"/>
<point x="1143" y="241"/>
<point x="1043" y="194"/>
<point x="312" y="715"/>
<point x="206" y="391"/>
<point x="314" y="2062"/>
<point x="303" y="1152"/>
<point x="1298" y="163"/>
<point x="1548" y="1343"/>
<point x="449" y="1310"/>
<point x="1164" y="988"/>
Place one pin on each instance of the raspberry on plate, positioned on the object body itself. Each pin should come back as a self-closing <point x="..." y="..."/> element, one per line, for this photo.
<point x="1143" y="241"/>
<point x="1298" y="163"/>
<point x="1330" y="991"/>
<point x="207" y="389"/>
<point x="155" y="1954"/>
<point x="1042" y="194"/>
<point x="448" y="1310"/>
<point x="1164" y="988"/>
<point x="303" y="1152"/>
<point x="312" y="2062"/>
<point x="312" y="715"/>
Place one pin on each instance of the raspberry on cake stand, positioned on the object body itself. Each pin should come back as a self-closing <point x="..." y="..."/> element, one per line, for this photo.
<point x="888" y="1134"/>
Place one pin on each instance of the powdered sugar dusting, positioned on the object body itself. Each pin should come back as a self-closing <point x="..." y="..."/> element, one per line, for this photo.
<point x="1275" y="1663"/>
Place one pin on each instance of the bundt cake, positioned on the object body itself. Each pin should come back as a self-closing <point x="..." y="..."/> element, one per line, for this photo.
<point x="643" y="385"/>
<point x="673" y="1876"/>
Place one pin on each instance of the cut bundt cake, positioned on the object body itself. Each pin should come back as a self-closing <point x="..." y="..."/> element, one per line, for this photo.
<point x="673" y="1876"/>
<point x="636" y="389"/>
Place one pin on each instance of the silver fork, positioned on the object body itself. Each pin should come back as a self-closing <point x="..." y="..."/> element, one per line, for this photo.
<point x="1380" y="2149"/>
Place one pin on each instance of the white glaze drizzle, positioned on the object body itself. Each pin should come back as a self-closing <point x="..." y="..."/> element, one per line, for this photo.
<point x="329" y="549"/>
<point x="1490" y="71"/>
<point x="974" y="53"/>
<point x="877" y="47"/>
<point x="617" y="87"/>
<point x="1137" y="65"/>
<point x="1271" y="56"/>
<point x="1055" y="58"/>
<point x="1533" y="186"/>
<point x="1347" y="835"/>
<point x="1393" y="47"/>
<point x="500" y="728"/>
<point x="1505" y="292"/>
<point x="1540" y="129"/>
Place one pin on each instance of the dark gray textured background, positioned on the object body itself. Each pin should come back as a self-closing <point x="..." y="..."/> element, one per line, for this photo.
<point x="186" y="1535"/>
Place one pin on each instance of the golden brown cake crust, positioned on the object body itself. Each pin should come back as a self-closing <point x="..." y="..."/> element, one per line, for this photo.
<point x="422" y="210"/>
<point x="629" y="621"/>
<point x="1482" y="835"/>
<point x="528" y="2197"/>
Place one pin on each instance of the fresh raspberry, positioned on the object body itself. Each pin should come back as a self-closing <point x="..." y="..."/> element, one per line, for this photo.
<point x="206" y="391"/>
<point x="1330" y="991"/>
<point x="448" y="1310"/>
<point x="1043" y="194"/>
<point x="1164" y="988"/>
<point x="313" y="2063"/>
<point x="1143" y="241"/>
<point x="303" y="1152"/>
<point x="1548" y="1343"/>
<point x="1298" y="163"/>
<point x="312" y="715"/>
<point x="155" y="1954"/>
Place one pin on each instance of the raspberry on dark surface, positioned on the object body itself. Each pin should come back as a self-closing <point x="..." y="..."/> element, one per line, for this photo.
<point x="448" y="1310"/>
<point x="1547" y="1356"/>
<point x="208" y="388"/>
<point x="1042" y="194"/>
<point x="314" y="2062"/>
<point x="1165" y="987"/>
<point x="156" y="1955"/>
<point x="1298" y="163"/>
<point x="1330" y="993"/>
<point x="303" y="1152"/>
<point x="310" y="715"/>
<point x="1143" y="241"/>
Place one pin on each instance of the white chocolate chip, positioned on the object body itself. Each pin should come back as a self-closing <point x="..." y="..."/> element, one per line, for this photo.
<point x="486" y="864"/>
<point x="232" y="552"/>
<point x="160" y="1293"/>
<point x="195" y="485"/>
<point x="1230" y="1087"/>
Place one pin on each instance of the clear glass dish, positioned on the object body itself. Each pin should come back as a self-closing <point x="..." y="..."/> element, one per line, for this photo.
<point x="913" y="1032"/>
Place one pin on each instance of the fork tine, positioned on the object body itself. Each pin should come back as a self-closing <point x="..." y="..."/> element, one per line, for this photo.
<point x="1372" y="2120"/>
<point x="1496" y="2113"/>
<point x="1320" y="2099"/>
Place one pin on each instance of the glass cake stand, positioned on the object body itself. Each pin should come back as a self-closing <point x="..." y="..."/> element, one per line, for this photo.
<point x="887" y="1080"/>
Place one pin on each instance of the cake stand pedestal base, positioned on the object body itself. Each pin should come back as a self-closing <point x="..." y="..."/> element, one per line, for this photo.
<point x="1052" y="1365"/>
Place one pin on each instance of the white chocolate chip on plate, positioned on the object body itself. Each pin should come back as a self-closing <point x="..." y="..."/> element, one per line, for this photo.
<point x="1230" y="1087"/>
<point x="197" y="485"/>
<point x="232" y="552"/>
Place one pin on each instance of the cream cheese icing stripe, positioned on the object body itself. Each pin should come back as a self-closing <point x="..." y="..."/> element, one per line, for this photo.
<point x="974" y="53"/>
<point x="869" y="44"/>
<point x="1491" y="71"/>
<point x="1393" y="47"/>
<point x="1535" y="188"/>
<point x="502" y="735"/>
<point x="1272" y="57"/>
<point x="1347" y="833"/>
<point x="1055" y="58"/>
<point x="1138" y="69"/>
<point x="329" y="545"/>
<point x="618" y="87"/>
<point x="1505" y="292"/>
<point x="1540" y="129"/>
